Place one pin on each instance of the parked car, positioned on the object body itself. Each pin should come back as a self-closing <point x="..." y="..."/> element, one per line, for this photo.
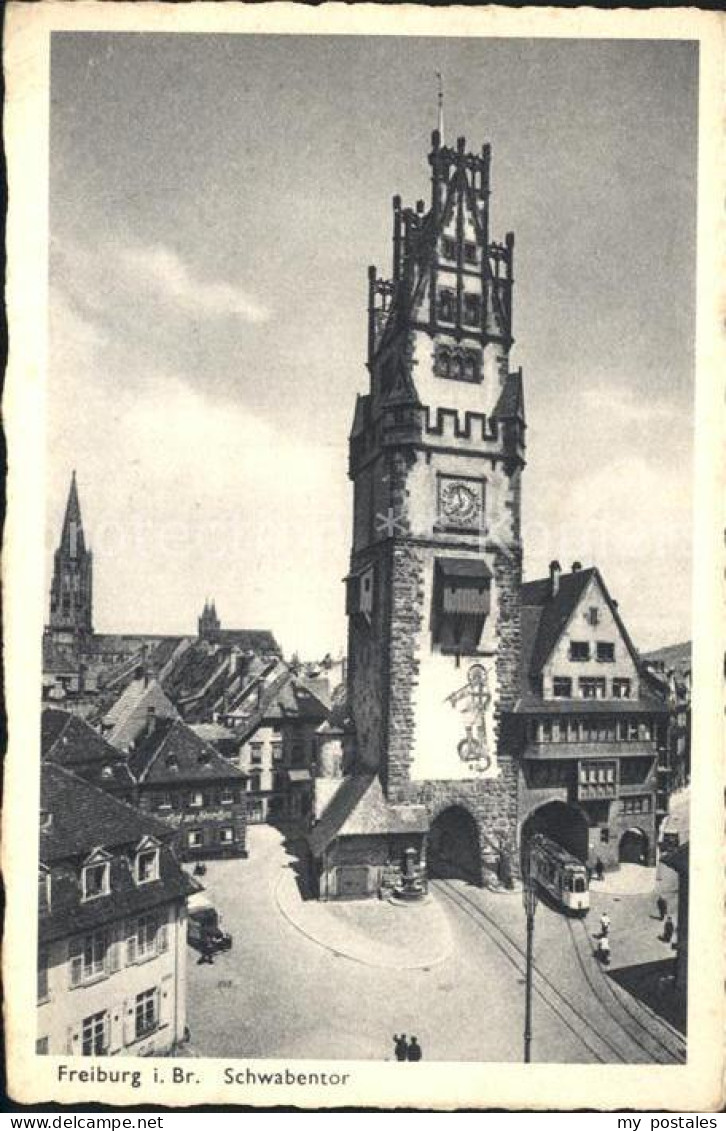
<point x="204" y="929"/>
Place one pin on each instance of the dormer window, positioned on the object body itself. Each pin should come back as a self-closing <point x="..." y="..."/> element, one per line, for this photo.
<point x="147" y="865"/>
<point x="96" y="878"/>
<point x="172" y="762"/>
<point x="448" y="248"/>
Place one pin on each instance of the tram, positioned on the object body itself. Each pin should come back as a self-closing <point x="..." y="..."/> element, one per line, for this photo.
<point x="560" y="873"/>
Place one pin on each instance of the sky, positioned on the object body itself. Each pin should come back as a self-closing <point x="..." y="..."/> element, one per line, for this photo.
<point x="215" y="201"/>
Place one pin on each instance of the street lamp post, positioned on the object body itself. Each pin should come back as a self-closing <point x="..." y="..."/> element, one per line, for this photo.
<point x="529" y="899"/>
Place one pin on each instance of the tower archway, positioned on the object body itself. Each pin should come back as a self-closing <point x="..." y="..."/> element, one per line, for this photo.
<point x="454" y="848"/>
<point x="633" y="847"/>
<point x="562" y="823"/>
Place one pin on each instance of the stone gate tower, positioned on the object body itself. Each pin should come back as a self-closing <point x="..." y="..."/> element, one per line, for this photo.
<point x="436" y="456"/>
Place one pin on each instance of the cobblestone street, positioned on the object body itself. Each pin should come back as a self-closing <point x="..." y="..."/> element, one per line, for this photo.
<point x="280" y="994"/>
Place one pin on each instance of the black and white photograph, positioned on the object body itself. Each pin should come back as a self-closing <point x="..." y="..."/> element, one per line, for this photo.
<point x="365" y="637"/>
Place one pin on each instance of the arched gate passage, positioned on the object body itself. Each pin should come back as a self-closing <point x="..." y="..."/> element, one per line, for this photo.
<point x="453" y="846"/>
<point x="560" y="822"/>
<point x="633" y="847"/>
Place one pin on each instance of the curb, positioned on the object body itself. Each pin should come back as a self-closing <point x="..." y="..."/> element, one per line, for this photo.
<point x="364" y="959"/>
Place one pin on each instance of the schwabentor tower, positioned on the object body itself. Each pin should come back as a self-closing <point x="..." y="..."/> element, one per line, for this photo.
<point x="436" y="456"/>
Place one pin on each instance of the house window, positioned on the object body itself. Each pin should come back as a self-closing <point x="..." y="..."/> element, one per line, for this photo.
<point x="621" y="688"/>
<point x="42" y="981"/>
<point x="95" y="1035"/>
<point x="605" y="652"/>
<point x="226" y="836"/>
<point x="472" y="310"/>
<point x="447" y="306"/>
<point x="562" y="687"/>
<point x="41" y="1046"/>
<point x="448" y="248"/>
<point x="172" y="762"/>
<point x="147" y="866"/>
<point x="147" y="1012"/>
<point x="194" y="838"/>
<point x="227" y="797"/>
<point x="545" y="730"/>
<point x="196" y="799"/>
<point x="632" y="731"/>
<point x="633" y="805"/>
<point x="146" y="936"/>
<point x="573" y="730"/>
<point x="579" y="650"/>
<point x="88" y="957"/>
<point x="593" y="615"/>
<point x="470" y="252"/>
<point x="95" y="880"/>
<point x="604" y="835"/>
<point x="277" y="751"/>
<point x="256" y="754"/>
<point x="163" y="799"/>
<point x="592" y="688"/>
<point x="254" y="782"/>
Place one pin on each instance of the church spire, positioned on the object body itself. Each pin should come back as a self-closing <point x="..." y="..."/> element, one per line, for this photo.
<point x="71" y="588"/>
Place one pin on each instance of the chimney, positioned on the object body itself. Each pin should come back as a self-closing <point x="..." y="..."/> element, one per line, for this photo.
<point x="150" y="720"/>
<point x="555" y="571"/>
<point x="576" y="567"/>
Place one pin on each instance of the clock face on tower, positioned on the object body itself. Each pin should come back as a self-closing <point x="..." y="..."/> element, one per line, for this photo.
<point x="460" y="503"/>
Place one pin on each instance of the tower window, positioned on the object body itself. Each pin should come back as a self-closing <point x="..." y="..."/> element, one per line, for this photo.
<point x="456" y="364"/>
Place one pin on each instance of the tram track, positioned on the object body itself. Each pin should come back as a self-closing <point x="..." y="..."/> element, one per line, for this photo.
<point x="600" y="978"/>
<point x="542" y="986"/>
<point x="587" y="1031"/>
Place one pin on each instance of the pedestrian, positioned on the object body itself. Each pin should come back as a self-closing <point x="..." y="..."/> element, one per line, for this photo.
<point x="604" y="925"/>
<point x="414" y="1050"/>
<point x="599" y="869"/>
<point x="603" y="950"/>
<point x="668" y="929"/>
<point x="662" y="905"/>
<point x="400" y="1046"/>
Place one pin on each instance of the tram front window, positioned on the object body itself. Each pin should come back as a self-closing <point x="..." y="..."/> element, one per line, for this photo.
<point x="579" y="884"/>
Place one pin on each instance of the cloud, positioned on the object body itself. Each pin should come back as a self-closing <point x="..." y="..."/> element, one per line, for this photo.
<point x="617" y="403"/>
<point x="164" y="272"/>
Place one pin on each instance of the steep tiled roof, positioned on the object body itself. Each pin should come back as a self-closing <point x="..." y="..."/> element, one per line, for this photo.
<point x="258" y="640"/>
<point x="69" y="741"/>
<point x="172" y="752"/>
<point x="359" y="808"/>
<point x="78" y="818"/>
<point x="128" y="716"/>
<point x="57" y="659"/>
<point x="286" y="696"/>
<point x="554" y="612"/>
<point x="84" y="817"/>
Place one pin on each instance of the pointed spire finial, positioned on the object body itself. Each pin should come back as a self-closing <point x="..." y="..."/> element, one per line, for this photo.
<point x="441" y="106"/>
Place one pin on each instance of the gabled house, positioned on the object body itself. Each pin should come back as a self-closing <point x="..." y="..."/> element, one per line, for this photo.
<point x="275" y="721"/>
<point x="184" y="781"/>
<point x="69" y="741"/>
<point x="112" y="925"/>
<point x="589" y="728"/>
<point x="129" y="716"/>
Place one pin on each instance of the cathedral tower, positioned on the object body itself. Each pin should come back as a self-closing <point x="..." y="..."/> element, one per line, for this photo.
<point x="71" y="591"/>
<point x="436" y="455"/>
